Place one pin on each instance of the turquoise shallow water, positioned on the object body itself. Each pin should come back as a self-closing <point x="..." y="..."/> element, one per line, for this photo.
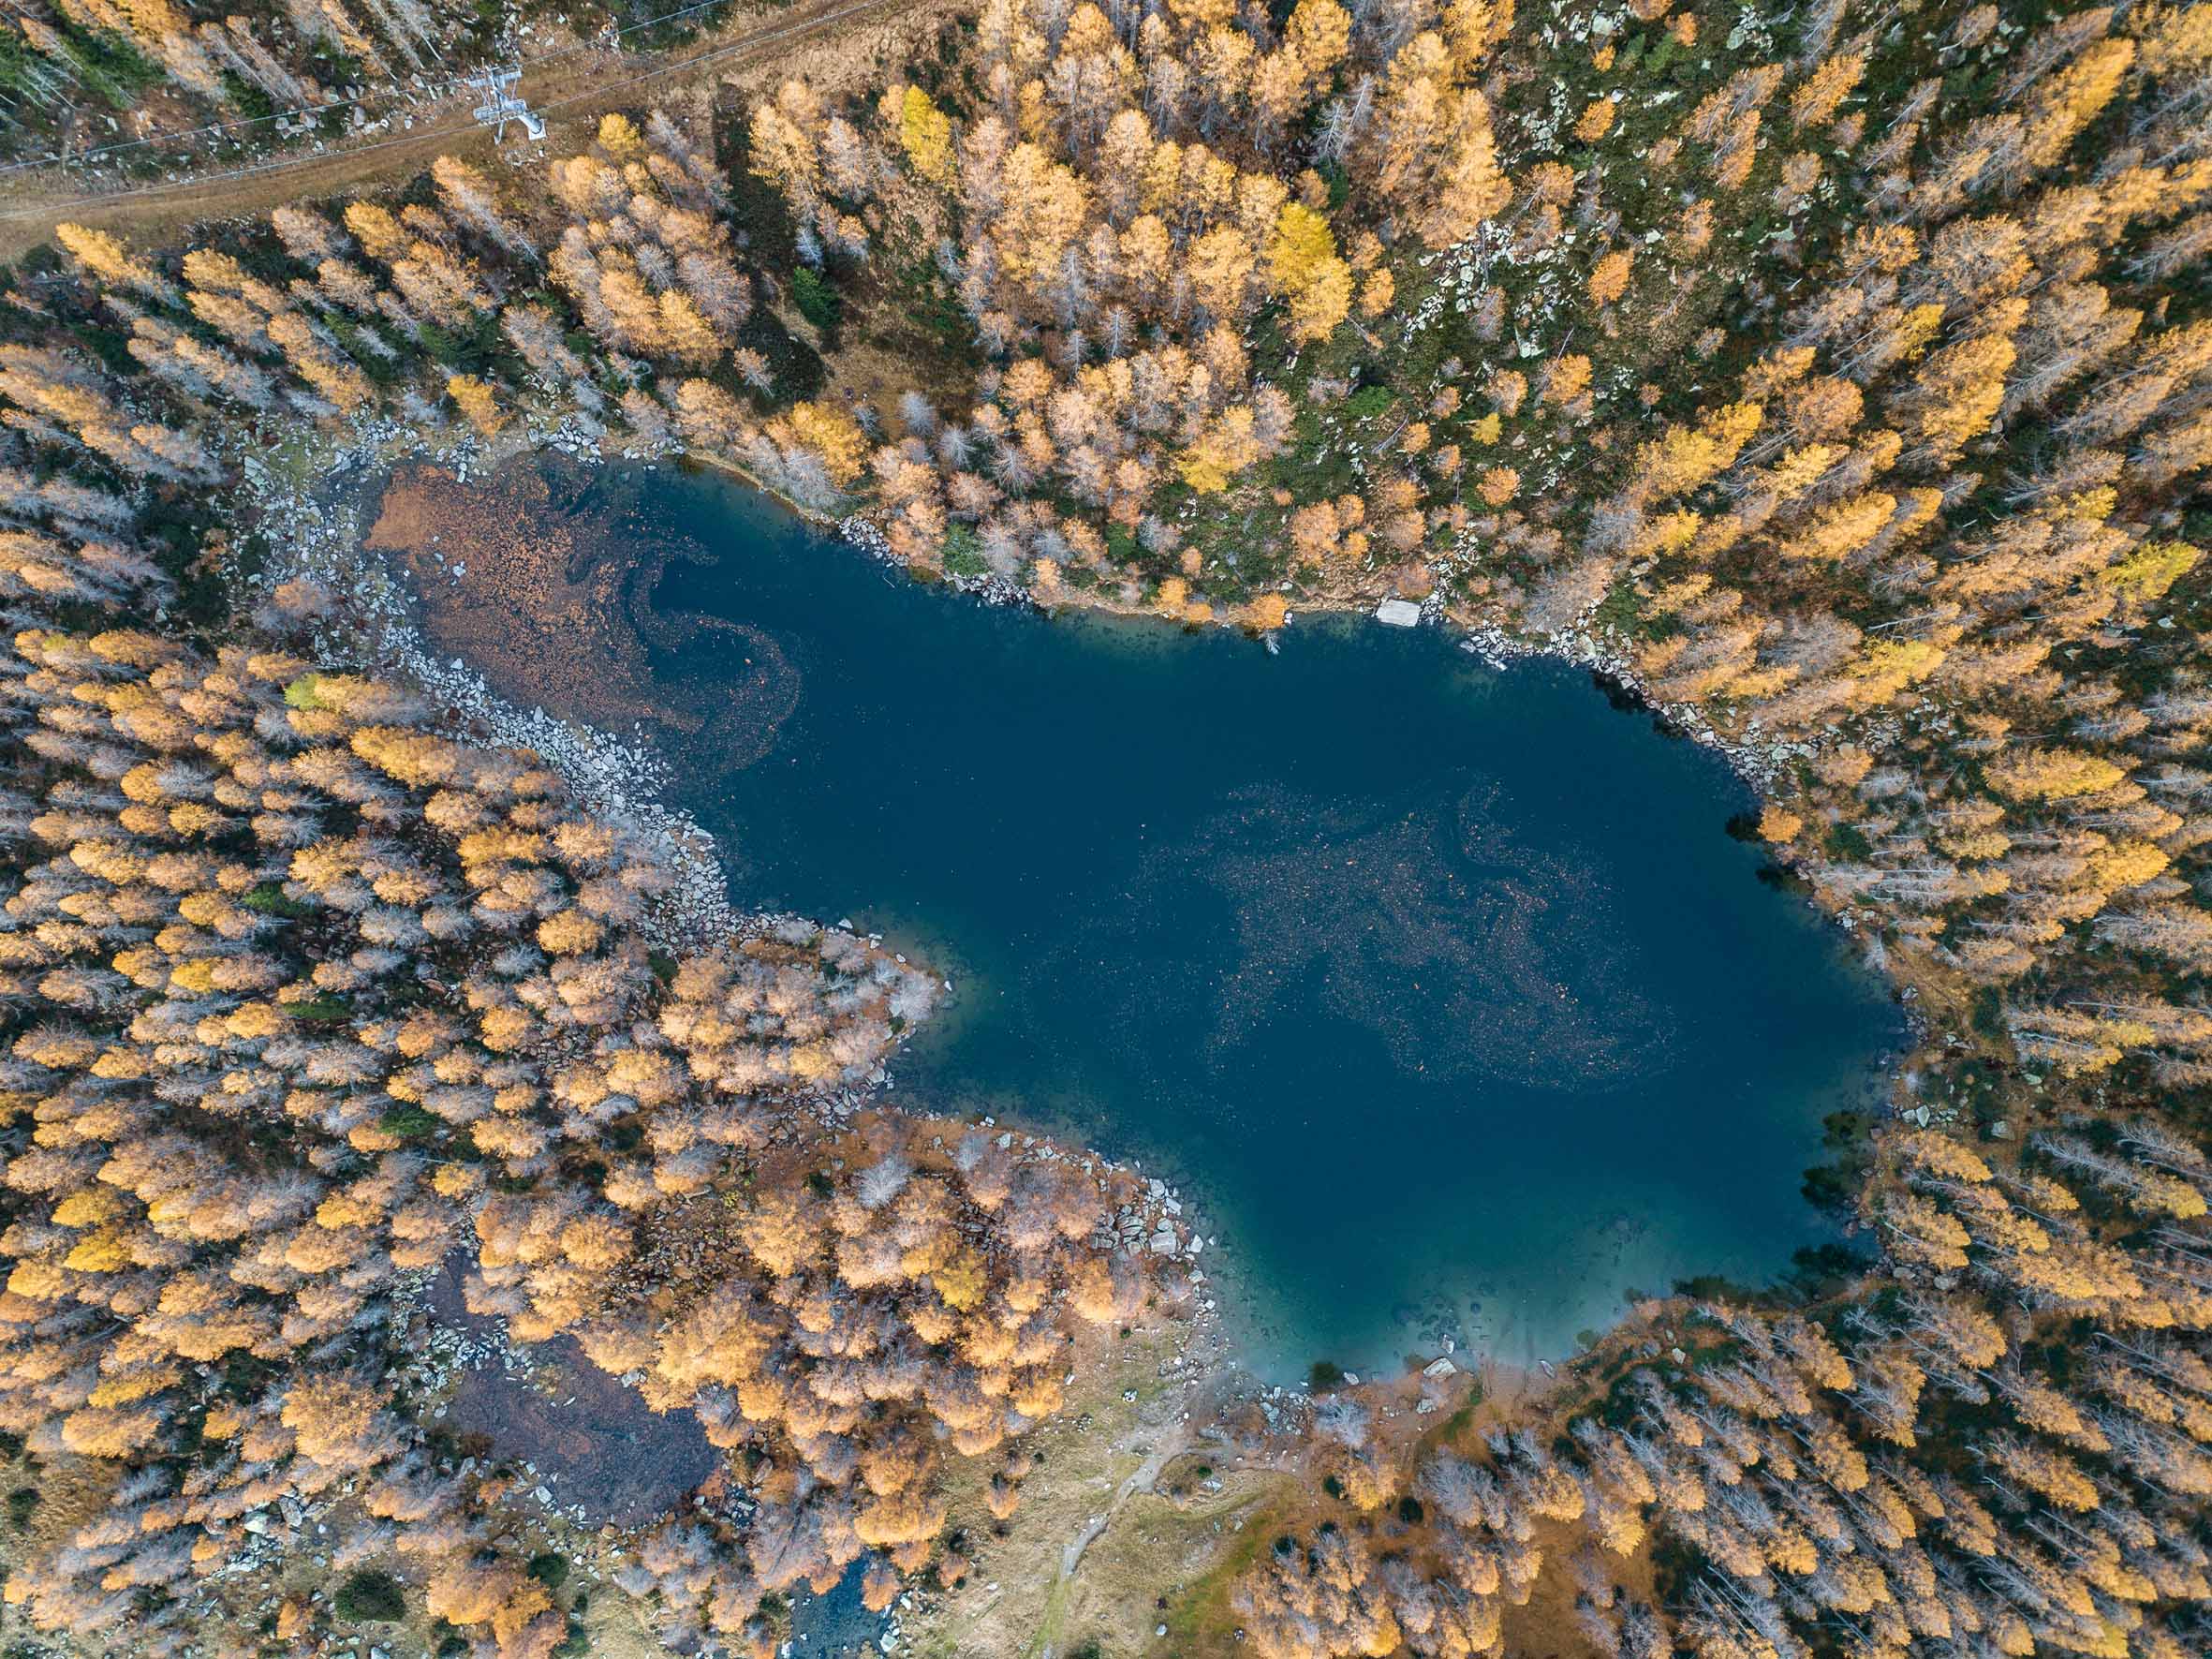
<point x="1441" y="990"/>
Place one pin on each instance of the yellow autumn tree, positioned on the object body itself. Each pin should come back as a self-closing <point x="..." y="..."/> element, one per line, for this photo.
<point x="1684" y="457"/>
<point x="926" y="136"/>
<point x="2050" y="773"/>
<point x="833" y="435"/>
<point x="1302" y="262"/>
<point x="618" y="136"/>
<point x="1609" y="276"/>
<point x="1595" y="121"/>
<point x="1227" y="446"/>
<point x="2145" y="576"/>
<point x="475" y="400"/>
<point x="106" y="260"/>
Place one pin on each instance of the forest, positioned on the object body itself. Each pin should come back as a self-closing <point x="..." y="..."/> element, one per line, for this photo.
<point x="1840" y="382"/>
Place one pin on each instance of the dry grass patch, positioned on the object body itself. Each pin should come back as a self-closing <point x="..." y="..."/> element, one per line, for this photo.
<point x="1088" y="1534"/>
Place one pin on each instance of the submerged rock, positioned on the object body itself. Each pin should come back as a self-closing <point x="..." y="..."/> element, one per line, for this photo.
<point x="1397" y="613"/>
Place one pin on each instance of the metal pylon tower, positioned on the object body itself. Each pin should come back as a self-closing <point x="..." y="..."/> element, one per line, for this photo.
<point x="501" y="105"/>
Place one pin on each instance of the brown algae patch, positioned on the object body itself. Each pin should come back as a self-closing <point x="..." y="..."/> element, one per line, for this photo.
<point x="547" y="595"/>
<point x="585" y="1443"/>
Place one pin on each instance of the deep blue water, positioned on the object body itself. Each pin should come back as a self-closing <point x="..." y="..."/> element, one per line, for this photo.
<point x="1440" y="989"/>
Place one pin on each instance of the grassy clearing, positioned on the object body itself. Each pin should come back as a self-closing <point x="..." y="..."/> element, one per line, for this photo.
<point x="1199" y="1617"/>
<point x="1020" y="1596"/>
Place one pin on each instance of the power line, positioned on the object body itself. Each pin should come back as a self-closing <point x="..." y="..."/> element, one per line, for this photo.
<point x="286" y="164"/>
<point x="802" y="26"/>
<point x="215" y="126"/>
<point x="159" y="139"/>
<point x="189" y="133"/>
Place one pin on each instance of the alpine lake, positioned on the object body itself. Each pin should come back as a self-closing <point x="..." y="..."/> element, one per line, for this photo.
<point x="1438" y="991"/>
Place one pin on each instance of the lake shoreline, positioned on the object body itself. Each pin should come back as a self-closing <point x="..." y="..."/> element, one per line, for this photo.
<point x="1758" y="765"/>
<point x="1220" y="1379"/>
<point x="469" y="461"/>
<point x="862" y="631"/>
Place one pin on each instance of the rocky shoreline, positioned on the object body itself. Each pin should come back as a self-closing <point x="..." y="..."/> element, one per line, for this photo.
<point x="323" y="543"/>
<point x="374" y="621"/>
<point x="628" y="775"/>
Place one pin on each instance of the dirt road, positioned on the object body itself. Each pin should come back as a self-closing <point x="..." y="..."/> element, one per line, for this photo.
<point x="570" y="93"/>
